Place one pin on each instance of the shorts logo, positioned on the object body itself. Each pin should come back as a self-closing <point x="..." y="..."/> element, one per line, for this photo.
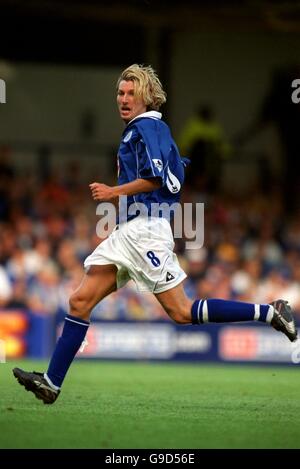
<point x="169" y="277"/>
<point x="158" y="164"/>
<point x="127" y="137"/>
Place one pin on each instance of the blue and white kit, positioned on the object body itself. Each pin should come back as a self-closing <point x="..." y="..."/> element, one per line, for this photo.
<point x="142" y="244"/>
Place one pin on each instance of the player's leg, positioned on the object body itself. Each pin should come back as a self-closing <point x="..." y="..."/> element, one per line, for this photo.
<point x="184" y="311"/>
<point x="162" y="273"/>
<point x="176" y="304"/>
<point x="98" y="282"/>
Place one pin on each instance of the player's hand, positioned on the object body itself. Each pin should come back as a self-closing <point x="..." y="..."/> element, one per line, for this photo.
<point x="101" y="191"/>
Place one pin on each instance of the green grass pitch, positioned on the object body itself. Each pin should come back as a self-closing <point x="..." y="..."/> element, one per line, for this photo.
<point x="155" y="405"/>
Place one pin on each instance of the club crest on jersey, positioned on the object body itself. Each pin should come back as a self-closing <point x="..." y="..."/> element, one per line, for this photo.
<point x="127" y="136"/>
<point x="158" y="164"/>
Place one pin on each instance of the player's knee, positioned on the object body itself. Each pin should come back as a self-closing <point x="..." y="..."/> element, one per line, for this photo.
<point x="79" y="306"/>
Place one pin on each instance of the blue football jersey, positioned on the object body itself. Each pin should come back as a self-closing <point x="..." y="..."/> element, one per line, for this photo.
<point x="148" y="150"/>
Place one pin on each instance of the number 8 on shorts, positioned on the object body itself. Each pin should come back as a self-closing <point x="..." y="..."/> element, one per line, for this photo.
<point x="155" y="261"/>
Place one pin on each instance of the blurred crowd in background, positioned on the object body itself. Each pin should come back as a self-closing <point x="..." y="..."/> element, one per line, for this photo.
<point x="251" y="249"/>
<point x="232" y="66"/>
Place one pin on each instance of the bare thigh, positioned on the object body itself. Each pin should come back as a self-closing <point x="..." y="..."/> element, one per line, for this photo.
<point x="98" y="282"/>
<point x="176" y="304"/>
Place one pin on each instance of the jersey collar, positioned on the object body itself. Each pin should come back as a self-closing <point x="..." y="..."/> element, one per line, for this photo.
<point x="149" y="114"/>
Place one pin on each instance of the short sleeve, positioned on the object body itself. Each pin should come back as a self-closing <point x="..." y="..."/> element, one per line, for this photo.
<point x="148" y="166"/>
<point x="152" y="159"/>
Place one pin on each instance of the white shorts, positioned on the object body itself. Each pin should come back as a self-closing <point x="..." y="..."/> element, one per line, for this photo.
<point x="142" y="250"/>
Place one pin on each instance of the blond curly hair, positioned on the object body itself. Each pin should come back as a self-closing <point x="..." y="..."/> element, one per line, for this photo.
<point x="146" y="85"/>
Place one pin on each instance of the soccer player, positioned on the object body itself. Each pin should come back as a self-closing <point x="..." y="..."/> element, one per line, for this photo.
<point x="140" y="247"/>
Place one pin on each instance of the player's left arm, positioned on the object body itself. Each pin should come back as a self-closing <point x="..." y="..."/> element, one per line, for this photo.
<point x="104" y="192"/>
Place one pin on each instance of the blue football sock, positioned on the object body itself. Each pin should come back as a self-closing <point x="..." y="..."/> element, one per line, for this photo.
<point x="67" y="346"/>
<point x="214" y="310"/>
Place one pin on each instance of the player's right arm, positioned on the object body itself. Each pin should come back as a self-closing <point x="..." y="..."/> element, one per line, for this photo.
<point x="103" y="192"/>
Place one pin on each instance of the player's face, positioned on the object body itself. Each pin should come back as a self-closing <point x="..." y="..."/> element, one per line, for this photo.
<point x="130" y="105"/>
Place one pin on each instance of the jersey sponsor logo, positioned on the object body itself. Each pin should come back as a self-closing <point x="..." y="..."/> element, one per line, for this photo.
<point x="169" y="277"/>
<point x="127" y="136"/>
<point x="158" y="164"/>
<point x="173" y="183"/>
